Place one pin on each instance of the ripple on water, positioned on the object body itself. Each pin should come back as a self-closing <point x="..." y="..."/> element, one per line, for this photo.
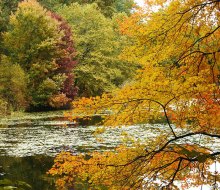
<point x="49" y="140"/>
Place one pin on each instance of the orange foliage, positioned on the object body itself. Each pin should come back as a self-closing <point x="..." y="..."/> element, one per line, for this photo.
<point x="177" y="47"/>
<point x="58" y="101"/>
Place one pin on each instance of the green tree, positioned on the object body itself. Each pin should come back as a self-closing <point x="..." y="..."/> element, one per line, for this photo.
<point x="98" y="45"/>
<point x="107" y="7"/>
<point x="13" y="87"/>
<point x="6" y="7"/>
<point x="124" y="6"/>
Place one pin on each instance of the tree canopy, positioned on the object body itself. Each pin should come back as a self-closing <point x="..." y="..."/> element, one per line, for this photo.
<point x="98" y="45"/>
<point x="177" y="43"/>
<point x="107" y="7"/>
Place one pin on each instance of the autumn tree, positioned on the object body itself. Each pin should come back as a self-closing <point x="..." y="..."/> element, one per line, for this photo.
<point x="66" y="63"/>
<point x="41" y="44"/>
<point x="177" y="43"/>
<point x="98" y="45"/>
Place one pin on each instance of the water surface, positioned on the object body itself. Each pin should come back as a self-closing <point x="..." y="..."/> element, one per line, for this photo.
<point x="28" y="146"/>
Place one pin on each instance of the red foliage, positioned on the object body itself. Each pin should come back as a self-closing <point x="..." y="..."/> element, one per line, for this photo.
<point x="67" y="62"/>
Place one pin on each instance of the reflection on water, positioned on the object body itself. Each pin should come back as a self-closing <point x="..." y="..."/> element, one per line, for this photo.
<point x="26" y="170"/>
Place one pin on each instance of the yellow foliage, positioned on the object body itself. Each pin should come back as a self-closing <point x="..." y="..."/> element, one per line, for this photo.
<point x="178" y="48"/>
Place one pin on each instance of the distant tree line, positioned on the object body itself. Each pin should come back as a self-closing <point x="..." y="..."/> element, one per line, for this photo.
<point x="53" y="51"/>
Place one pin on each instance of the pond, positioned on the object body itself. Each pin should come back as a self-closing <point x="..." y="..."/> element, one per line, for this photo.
<point x="28" y="146"/>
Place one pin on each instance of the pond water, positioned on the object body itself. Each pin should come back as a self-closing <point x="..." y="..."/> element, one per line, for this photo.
<point x="28" y="147"/>
<point x="23" y="141"/>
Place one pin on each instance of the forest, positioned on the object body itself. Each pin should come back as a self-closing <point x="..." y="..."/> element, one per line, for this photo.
<point x="49" y="56"/>
<point x="151" y="74"/>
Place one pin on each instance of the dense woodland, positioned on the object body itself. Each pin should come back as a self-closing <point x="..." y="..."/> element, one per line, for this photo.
<point x="53" y="51"/>
<point x="130" y="65"/>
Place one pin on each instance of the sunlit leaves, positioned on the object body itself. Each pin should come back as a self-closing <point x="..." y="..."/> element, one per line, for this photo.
<point x="81" y="169"/>
<point x="178" y="48"/>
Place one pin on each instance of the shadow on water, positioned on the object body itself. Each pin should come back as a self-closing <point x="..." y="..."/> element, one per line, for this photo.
<point x="25" y="172"/>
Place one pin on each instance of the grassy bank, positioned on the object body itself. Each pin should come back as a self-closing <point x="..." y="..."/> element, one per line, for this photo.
<point x="26" y="117"/>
